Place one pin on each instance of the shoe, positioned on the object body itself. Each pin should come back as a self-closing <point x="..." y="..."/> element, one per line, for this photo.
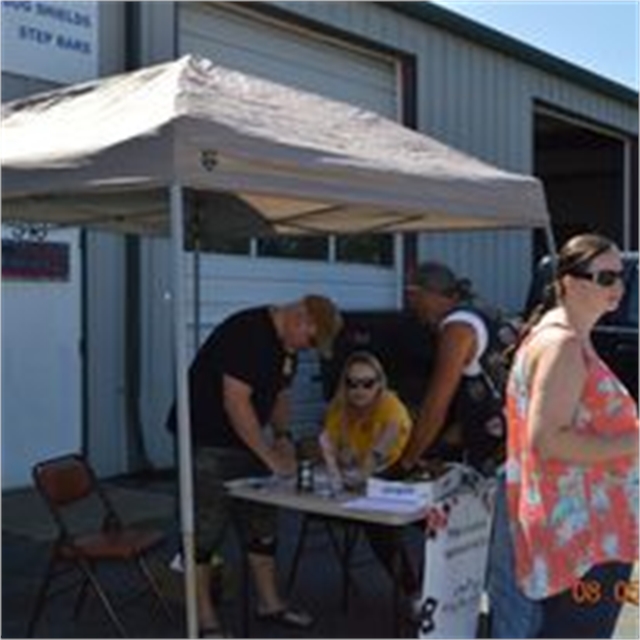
<point x="288" y="617"/>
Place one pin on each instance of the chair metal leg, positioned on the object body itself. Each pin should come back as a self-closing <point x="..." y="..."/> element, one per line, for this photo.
<point x="106" y="603"/>
<point x="42" y="592"/>
<point x="146" y="572"/>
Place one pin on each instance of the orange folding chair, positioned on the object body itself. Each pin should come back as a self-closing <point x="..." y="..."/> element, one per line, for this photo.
<point x="65" y="483"/>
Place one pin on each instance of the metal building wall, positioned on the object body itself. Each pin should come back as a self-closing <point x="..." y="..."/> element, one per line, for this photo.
<point x="470" y="96"/>
<point x="69" y="405"/>
<point x="257" y="45"/>
<point x="481" y="101"/>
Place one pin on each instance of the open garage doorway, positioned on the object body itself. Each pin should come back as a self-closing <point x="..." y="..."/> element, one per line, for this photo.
<point x="590" y="178"/>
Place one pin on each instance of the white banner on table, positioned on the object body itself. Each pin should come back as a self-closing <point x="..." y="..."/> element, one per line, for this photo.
<point x="456" y="549"/>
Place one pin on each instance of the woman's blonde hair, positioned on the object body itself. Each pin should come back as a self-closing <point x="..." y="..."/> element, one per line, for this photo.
<point x="359" y="357"/>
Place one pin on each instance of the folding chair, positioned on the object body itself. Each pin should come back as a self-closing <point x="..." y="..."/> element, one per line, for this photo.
<point x="66" y="482"/>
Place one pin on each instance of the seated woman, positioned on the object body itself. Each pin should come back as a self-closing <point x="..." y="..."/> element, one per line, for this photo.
<point x="366" y="428"/>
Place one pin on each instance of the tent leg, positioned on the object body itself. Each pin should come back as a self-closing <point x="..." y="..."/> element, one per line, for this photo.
<point x="549" y="237"/>
<point x="551" y="244"/>
<point x="183" y="413"/>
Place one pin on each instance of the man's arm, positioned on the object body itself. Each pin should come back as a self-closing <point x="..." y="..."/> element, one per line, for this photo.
<point x="281" y="415"/>
<point x="243" y="418"/>
<point x="456" y="346"/>
<point x="280" y="425"/>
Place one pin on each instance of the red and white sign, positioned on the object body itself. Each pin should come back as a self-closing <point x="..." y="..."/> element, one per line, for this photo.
<point x="457" y="534"/>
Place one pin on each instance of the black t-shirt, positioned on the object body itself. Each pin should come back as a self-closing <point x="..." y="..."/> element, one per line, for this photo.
<point x="245" y="346"/>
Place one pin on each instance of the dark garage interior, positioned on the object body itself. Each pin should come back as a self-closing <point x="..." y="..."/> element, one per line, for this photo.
<point x="583" y="170"/>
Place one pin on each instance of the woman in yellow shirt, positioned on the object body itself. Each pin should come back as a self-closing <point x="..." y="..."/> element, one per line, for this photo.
<point x="366" y="428"/>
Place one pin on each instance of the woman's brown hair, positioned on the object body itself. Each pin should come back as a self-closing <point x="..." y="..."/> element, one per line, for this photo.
<point x="575" y="257"/>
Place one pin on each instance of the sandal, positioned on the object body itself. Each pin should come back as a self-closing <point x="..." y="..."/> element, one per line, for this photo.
<point x="288" y="617"/>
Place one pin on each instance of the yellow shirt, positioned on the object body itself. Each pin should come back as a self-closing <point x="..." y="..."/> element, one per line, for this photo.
<point x="385" y="430"/>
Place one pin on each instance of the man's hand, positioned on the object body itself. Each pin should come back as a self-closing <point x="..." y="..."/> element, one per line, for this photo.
<point x="281" y="461"/>
<point x="284" y="445"/>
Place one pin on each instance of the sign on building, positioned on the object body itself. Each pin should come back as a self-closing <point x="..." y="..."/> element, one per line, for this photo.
<point x="23" y="260"/>
<point x="55" y="41"/>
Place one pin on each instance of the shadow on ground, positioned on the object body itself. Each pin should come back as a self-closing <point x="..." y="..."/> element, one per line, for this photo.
<point x="26" y="531"/>
<point x="318" y="585"/>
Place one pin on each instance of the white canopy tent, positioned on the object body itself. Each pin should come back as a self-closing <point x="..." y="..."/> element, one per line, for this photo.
<point x="118" y="153"/>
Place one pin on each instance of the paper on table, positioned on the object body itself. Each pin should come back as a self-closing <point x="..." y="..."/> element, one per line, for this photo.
<point x="367" y="503"/>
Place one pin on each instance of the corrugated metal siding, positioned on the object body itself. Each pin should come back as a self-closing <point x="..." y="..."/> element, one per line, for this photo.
<point x="474" y="98"/>
<point x="268" y="49"/>
<point x="229" y="283"/>
<point x="481" y="101"/>
<point x="468" y="92"/>
<point x="499" y="279"/>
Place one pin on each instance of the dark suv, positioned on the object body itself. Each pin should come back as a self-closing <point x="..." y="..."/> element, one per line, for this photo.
<point x="616" y="335"/>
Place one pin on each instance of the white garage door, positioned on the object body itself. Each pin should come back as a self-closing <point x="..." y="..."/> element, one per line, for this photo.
<point x="283" y="53"/>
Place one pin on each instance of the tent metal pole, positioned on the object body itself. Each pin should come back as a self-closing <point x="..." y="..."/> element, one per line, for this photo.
<point x="196" y="218"/>
<point x="550" y="238"/>
<point x="551" y="244"/>
<point x="196" y="295"/>
<point x="183" y="412"/>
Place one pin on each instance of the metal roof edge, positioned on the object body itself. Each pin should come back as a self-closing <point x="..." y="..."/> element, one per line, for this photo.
<point x="494" y="39"/>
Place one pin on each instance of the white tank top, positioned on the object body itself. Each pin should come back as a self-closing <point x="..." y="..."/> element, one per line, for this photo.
<point x="482" y="337"/>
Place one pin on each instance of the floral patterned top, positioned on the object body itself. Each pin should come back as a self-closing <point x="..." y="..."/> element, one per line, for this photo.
<point x="565" y="517"/>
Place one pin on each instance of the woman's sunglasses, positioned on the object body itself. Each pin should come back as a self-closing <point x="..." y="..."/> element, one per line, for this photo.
<point x="603" y="278"/>
<point x="361" y="383"/>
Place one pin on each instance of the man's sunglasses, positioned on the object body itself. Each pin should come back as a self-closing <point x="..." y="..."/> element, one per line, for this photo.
<point x="603" y="278"/>
<point x="361" y="383"/>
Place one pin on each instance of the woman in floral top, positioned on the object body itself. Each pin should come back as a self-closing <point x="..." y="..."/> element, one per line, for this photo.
<point x="572" y="467"/>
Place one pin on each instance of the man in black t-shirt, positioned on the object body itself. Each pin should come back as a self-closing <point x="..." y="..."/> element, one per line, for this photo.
<point x="238" y="386"/>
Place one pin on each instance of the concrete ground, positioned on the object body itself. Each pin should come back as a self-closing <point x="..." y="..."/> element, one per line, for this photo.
<point x="27" y="529"/>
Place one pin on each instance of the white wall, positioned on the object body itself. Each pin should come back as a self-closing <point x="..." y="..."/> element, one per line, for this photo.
<point x="41" y="387"/>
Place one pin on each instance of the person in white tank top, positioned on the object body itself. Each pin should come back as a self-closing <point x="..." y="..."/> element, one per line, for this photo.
<point x="433" y="295"/>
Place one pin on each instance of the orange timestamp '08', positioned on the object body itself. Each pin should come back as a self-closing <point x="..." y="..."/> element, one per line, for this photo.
<point x="591" y="592"/>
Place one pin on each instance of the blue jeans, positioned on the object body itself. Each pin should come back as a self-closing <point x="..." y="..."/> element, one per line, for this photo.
<point x="512" y="614"/>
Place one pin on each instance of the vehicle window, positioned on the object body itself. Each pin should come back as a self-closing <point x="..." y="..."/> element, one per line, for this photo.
<point x="298" y="247"/>
<point x="365" y="249"/>
<point x="632" y="297"/>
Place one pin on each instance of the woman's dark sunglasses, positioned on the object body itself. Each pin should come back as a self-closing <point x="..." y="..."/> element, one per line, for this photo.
<point x="361" y="383"/>
<point x="603" y="278"/>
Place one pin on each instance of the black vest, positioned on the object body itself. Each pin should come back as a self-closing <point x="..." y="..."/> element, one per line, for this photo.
<point x="477" y="406"/>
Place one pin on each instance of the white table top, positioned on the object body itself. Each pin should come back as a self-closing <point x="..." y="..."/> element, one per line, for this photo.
<point x="283" y="493"/>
